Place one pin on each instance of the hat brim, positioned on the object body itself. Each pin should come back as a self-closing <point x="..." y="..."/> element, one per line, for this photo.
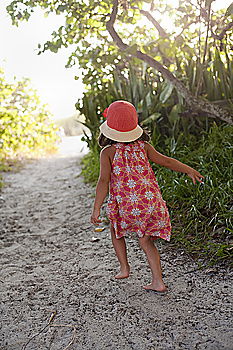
<point x="121" y="136"/>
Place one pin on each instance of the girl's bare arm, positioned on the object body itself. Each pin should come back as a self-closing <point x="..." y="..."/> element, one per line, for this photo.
<point x="172" y="163"/>
<point x="102" y="184"/>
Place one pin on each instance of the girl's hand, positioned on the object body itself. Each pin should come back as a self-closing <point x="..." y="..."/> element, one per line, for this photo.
<point x="95" y="216"/>
<point x="195" y="175"/>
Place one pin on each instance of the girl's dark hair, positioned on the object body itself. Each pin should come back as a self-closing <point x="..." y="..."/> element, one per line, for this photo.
<point x="104" y="141"/>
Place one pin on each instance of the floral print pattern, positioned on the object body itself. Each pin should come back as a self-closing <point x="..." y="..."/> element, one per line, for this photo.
<point x="135" y="204"/>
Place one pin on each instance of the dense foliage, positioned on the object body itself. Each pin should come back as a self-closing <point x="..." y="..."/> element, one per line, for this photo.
<point x="202" y="214"/>
<point x="99" y="49"/>
<point x="25" y="124"/>
<point x="161" y="108"/>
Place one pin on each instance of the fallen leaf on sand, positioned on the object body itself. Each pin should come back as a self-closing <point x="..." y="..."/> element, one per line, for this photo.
<point x="99" y="229"/>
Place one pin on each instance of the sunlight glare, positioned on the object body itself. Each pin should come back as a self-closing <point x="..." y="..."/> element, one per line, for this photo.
<point x="167" y="22"/>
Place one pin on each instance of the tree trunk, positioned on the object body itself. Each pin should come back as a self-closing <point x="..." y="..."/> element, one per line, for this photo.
<point x="198" y="105"/>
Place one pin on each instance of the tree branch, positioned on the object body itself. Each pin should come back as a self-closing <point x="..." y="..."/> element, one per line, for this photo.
<point x="155" y="23"/>
<point x="223" y="32"/>
<point x="196" y="104"/>
<point x="111" y="30"/>
<point x="167" y="61"/>
<point x="184" y="28"/>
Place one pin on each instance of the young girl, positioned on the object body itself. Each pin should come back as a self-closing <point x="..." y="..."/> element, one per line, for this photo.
<point x="135" y="203"/>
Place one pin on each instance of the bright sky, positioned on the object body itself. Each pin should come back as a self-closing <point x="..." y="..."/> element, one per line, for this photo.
<point x="55" y="83"/>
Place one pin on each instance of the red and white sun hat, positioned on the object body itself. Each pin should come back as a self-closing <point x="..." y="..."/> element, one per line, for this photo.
<point x="122" y="122"/>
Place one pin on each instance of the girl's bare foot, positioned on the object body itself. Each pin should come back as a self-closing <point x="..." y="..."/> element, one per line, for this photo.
<point x="156" y="288"/>
<point x="124" y="273"/>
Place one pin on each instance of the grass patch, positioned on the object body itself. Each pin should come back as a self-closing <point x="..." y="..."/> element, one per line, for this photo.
<point x="90" y="167"/>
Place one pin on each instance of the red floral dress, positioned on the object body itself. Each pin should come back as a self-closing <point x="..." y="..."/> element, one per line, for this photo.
<point x="135" y="204"/>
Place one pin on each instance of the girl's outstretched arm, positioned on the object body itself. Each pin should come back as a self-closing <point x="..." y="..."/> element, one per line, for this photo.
<point x="172" y="163"/>
<point x="102" y="184"/>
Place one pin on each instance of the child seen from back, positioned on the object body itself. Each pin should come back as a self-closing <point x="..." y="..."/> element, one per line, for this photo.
<point x="135" y="204"/>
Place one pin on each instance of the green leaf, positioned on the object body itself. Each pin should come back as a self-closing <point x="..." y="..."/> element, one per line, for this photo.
<point x="61" y="8"/>
<point x="174" y="114"/>
<point x="151" y="118"/>
<point x="166" y="93"/>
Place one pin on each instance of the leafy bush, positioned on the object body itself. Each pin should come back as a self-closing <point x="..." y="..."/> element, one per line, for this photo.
<point x="201" y="214"/>
<point x="22" y="135"/>
<point x="25" y="124"/>
<point x="90" y="166"/>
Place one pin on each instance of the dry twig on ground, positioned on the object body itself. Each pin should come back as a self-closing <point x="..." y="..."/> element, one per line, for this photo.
<point x="49" y="324"/>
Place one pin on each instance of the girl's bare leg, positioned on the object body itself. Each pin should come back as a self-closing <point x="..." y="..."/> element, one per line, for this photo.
<point x="153" y="257"/>
<point x="121" y="253"/>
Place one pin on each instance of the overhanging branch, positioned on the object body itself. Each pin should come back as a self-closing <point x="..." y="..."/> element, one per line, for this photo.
<point x="223" y="32"/>
<point x="167" y="61"/>
<point x="197" y="104"/>
<point x="155" y="23"/>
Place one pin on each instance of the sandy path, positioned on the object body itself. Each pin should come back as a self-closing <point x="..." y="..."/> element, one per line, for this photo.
<point x="50" y="262"/>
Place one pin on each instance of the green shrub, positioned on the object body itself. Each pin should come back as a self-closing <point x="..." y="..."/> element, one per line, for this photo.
<point x="20" y="135"/>
<point x="26" y="126"/>
<point x="90" y="166"/>
<point x="201" y="214"/>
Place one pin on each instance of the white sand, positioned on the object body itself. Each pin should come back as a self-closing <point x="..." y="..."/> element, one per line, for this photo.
<point x="50" y="262"/>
